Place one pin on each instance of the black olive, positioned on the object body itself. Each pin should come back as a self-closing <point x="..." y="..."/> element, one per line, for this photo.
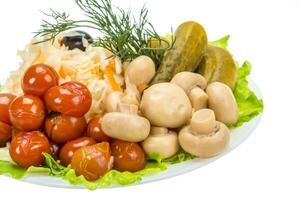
<point x="75" y="41"/>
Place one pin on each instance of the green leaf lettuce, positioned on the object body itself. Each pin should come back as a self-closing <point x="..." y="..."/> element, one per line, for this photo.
<point x="248" y="103"/>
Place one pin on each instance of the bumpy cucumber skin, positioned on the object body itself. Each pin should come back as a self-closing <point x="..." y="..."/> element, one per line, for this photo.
<point x="189" y="47"/>
<point x="218" y="65"/>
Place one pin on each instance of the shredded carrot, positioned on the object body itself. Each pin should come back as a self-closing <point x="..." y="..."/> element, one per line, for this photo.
<point x="109" y="73"/>
<point x="62" y="72"/>
<point x="142" y="87"/>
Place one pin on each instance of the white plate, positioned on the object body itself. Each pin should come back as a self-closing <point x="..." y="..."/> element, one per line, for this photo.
<point x="238" y="136"/>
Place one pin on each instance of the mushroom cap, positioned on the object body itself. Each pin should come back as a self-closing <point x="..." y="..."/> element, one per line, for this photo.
<point x="123" y="126"/>
<point x="112" y="101"/>
<point x="203" y="122"/>
<point x="161" y="141"/>
<point x="141" y="70"/>
<point x="205" y="146"/>
<point x="188" y="80"/>
<point x="166" y="105"/>
<point x="198" y="98"/>
<point x="222" y="102"/>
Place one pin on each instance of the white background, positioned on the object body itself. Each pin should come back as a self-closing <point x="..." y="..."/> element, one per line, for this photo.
<point x="267" y="33"/>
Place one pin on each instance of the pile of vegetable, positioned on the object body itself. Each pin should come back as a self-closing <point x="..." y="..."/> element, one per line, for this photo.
<point x="180" y="98"/>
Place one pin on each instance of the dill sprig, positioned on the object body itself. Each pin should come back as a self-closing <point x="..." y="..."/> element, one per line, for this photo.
<point x="120" y="32"/>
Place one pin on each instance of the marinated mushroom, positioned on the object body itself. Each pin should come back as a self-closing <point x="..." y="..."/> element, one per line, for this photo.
<point x="161" y="141"/>
<point x="222" y="102"/>
<point x="112" y="100"/>
<point x="166" y="105"/>
<point x="141" y="70"/>
<point x="204" y="137"/>
<point x="193" y="84"/>
<point x="125" y="123"/>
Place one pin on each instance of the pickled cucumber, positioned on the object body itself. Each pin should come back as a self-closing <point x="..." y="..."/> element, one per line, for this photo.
<point x="189" y="48"/>
<point x="218" y="65"/>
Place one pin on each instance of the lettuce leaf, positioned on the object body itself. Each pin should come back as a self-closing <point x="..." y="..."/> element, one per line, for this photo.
<point x="113" y="177"/>
<point x="181" y="156"/>
<point x="248" y="103"/>
<point x="222" y="42"/>
<point x="17" y="172"/>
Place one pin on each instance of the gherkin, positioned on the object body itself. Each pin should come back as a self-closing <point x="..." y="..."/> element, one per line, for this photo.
<point x="218" y="65"/>
<point x="188" y="49"/>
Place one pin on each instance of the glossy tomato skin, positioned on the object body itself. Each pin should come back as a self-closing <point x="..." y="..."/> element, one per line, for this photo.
<point x="95" y="131"/>
<point x="38" y="79"/>
<point x="128" y="156"/>
<point x="5" y="133"/>
<point x="27" y="148"/>
<point x="27" y="113"/>
<point x="61" y="128"/>
<point x="92" y="161"/>
<point x="71" y="98"/>
<point x="67" y="151"/>
<point x="5" y="101"/>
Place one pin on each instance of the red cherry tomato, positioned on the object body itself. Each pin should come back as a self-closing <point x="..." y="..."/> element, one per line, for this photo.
<point x="27" y="113"/>
<point x="5" y="101"/>
<point x="5" y="133"/>
<point x="128" y="156"/>
<point x="38" y="79"/>
<point x="26" y="148"/>
<point x="92" y="161"/>
<point x="68" y="150"/>
<point x="95" y="131"/>
<point x="71" y="98"/>
<point x="62" y="128"/>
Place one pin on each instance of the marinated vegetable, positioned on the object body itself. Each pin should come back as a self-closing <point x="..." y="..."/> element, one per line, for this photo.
<point x="27" y="113"/>
<point x="5" y="101"/>
<point x="62" y="128"/>
<point x="222" y="102"/>
<point x="71" y="98"/>
<point x="204" y="137"/>
<point x="141" y="71"/>
<point x="194" y="85"/>
<point x="27" y="149"/>
<point x="94" y="130"/>
<point x="128" y="156"/>
<point x="161" y="141"/>
<point x="5" y="133"/>
<point x="186" y="54"/>
<point x="38" y="79"/>
<point x="218" y="66"/>
<point x="67" y="151"/>
<point x="76" y="39"/>
<point x="92" y="161"/>
<point x="157" y="107"/>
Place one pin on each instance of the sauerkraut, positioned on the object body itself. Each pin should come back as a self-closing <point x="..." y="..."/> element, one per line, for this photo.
<point x="94" y="67"/>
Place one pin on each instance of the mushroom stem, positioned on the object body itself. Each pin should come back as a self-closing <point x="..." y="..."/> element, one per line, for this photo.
<point x="125" y="123"/>
<point x="203" y="122"/>
<point x="158" y="131"/>
<point x="161" y="141"/>
<point x="204" y="137"/>
<point x="198" y="98"/>
<point x="193" y="84"/>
